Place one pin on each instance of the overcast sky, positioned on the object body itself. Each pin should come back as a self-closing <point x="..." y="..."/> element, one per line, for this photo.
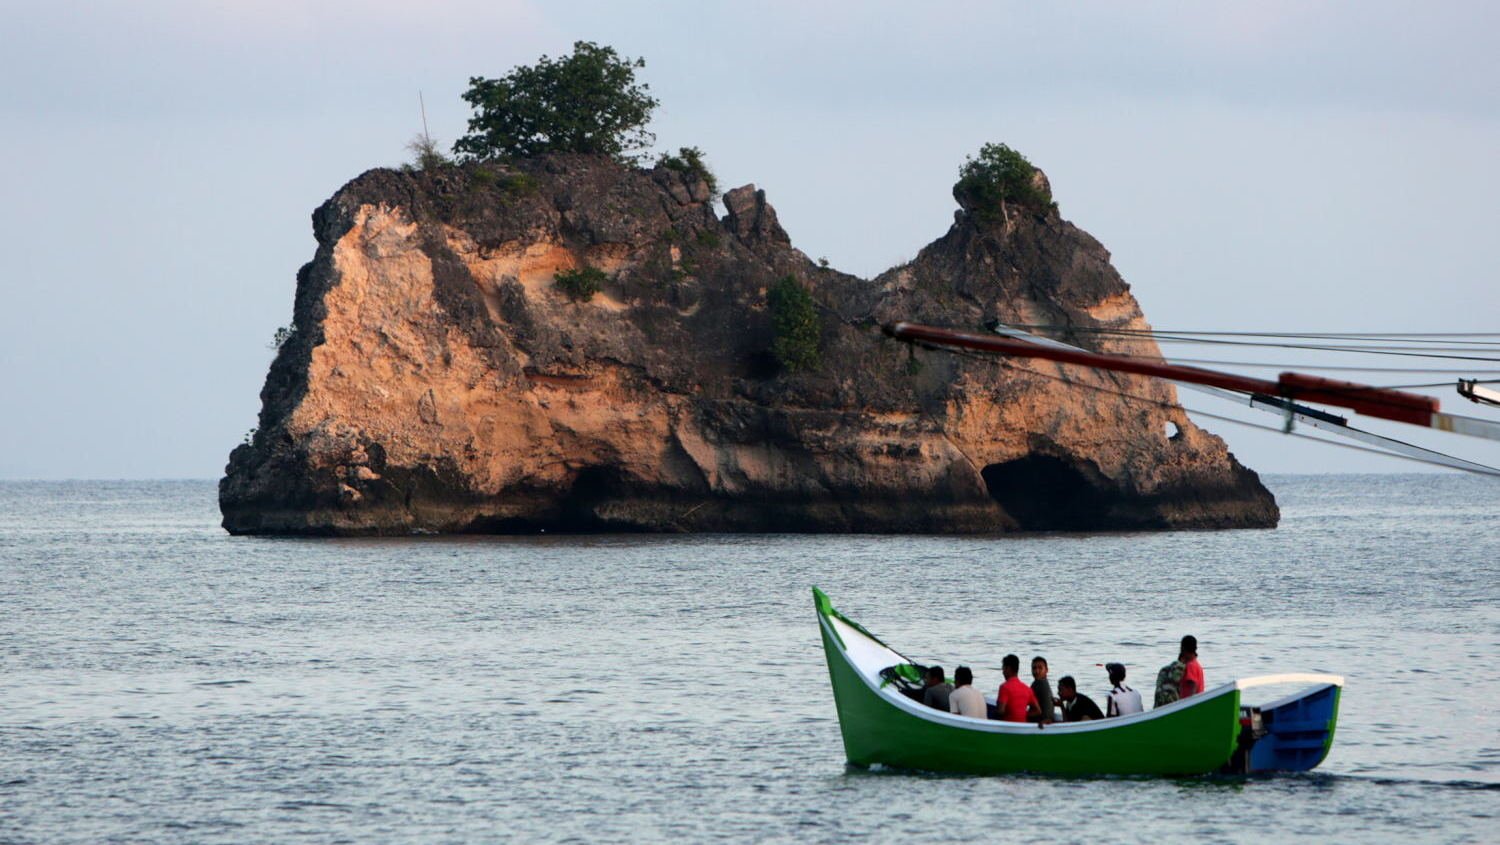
<point x="1294" y="166"/>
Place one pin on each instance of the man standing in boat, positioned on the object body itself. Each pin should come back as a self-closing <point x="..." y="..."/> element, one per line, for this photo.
<point x="1192" y="671"/>
<point x="1182" y="677"/>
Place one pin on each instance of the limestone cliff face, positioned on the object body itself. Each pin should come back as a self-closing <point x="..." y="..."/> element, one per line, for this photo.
<point x="437" y="380"/>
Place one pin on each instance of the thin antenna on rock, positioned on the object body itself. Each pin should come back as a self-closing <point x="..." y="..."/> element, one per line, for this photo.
<point x="423" y="104"/>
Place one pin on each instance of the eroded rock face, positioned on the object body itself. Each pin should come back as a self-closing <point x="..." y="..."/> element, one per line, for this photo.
<point x="437" y="380"/>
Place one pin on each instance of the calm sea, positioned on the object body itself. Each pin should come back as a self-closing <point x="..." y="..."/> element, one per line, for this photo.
<point x="161" y="681"/>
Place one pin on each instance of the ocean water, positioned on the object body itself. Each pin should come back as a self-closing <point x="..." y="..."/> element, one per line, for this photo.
<point x="161" y="681"/>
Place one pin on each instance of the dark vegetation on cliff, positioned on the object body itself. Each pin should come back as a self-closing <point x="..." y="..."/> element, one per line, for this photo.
<point x="605" y="352"/>
<point x="580" y="283"/>
<point x="796" y="325"/>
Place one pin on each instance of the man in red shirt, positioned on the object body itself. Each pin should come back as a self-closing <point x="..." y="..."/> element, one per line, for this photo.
<point x="1192" y="671"/>
<point x="1015" y="700"/>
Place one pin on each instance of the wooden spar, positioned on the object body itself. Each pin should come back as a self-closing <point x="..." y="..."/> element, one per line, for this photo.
<point x="1284" y="408"/>
<point x="1020" y="348"/>
<point x="1411" y="408"/>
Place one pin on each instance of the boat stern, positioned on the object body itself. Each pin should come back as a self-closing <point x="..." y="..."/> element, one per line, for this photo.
<point x="1293" y="734"/>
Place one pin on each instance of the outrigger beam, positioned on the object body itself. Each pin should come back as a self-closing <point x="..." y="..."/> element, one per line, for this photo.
<point x="1395" y="405"/>
<point x="1321" y="420"/>
<point x="1470" y="390"/>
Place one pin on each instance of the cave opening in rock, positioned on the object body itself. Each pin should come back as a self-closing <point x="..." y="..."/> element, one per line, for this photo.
<point x="591" y="488"/>
<point x="1046" y="493"/>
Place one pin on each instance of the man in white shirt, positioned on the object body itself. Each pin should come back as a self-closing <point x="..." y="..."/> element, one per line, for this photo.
<point x="965" y="700"/>
<point x="1122" y="699"/>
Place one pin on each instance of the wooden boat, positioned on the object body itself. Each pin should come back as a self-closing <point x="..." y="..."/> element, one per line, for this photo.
<point x="1209" y="732"/>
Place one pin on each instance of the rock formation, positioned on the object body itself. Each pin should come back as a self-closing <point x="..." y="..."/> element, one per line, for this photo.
<point x="437" y="379"/>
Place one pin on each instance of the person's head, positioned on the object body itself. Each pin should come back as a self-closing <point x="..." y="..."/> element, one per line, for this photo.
<point x="934" y="675"/>
<point x="1116" y="672"/>
<point x="1039" y="668"/>
<point x="1066" y="688"/>
<point x="1189" y="647"/>
<point x="1010" y="666"/>
<point x="962" y="676"/>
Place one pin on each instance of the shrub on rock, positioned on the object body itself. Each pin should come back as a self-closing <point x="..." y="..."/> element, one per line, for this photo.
<point x="689" y="160"/>
<point x="580" y="284"/>
<point x="794" y="320"/>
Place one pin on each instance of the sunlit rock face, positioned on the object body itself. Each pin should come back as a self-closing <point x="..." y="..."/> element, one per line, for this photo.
<point x="439" y="381"/>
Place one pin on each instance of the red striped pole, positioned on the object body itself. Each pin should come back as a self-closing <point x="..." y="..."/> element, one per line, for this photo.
<point x="1412" y="408"/>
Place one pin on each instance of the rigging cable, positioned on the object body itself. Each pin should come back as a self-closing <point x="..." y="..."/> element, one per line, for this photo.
<point x="1270" y="365"/>
<point x="1401" y="351"/>
<point x="1434" y="384"/>
<point x="1293" y="335"/>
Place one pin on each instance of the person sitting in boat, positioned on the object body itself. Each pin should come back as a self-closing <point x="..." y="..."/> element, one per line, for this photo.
<point x="964" y="699"/>
<point x="1015" y="700"/>
<point x="1182" y="677"/>
<point x="1075" y="707"/>
<point x="1122" y="700"/>
<point x="936" y="690"/>
<point x="1042" y="689"/>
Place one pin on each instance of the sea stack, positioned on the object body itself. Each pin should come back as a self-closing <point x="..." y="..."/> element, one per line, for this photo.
<point x="441" y="375"/>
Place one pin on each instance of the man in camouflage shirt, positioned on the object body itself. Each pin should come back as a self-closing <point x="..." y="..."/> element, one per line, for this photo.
<point x="1167" y="682"/>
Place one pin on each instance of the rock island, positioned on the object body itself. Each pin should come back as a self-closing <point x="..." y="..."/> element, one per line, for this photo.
<point x="567" y="342"/>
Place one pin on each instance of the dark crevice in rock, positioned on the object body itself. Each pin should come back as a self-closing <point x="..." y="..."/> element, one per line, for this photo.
<point x="1046" y="493"/>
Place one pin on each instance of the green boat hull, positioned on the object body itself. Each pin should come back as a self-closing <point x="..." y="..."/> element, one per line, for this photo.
<point x="883" y="727"/>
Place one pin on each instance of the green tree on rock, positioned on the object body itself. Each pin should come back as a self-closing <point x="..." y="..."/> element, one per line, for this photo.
<point x="794" y="321"/>
<point x="998" y="176"/>
<point x="588" y="102"/>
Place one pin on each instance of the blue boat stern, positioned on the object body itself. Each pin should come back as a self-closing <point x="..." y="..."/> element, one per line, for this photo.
<point x="1291" y="735"/>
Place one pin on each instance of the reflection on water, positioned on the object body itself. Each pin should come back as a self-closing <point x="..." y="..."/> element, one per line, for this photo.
<point x="165" y="682"/>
